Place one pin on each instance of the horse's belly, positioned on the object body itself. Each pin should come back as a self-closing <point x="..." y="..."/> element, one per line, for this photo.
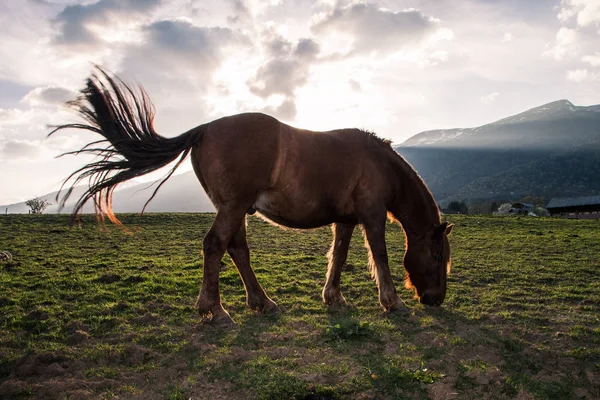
<point x="298" y="213"/>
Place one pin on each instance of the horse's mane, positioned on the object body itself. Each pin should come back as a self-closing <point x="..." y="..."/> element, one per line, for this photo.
<point x="373" y="136"/>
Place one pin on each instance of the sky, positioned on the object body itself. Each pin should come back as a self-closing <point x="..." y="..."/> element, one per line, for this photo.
<point x="395" y="67"/>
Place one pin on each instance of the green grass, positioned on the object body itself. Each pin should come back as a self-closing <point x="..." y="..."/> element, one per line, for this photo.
<point x="100" y="313"/>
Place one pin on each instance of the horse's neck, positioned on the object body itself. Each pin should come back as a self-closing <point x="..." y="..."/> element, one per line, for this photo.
<point x="415" y="206"/>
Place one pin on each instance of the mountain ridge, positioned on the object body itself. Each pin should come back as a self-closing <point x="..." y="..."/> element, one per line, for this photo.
<point x="540" y="121"/>
<point x="546" y="151"/>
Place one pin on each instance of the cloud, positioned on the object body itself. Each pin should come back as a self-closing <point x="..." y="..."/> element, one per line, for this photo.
<point x="371" y="28"/>
<point x="489" y="98"/>
<point x="432" y="59"/>
<point x="284" y="72"/>
<point x="171" y="47"/>
<point x="585" y="12"/>
<point x="285" y="111"/>
<point x="279" y="76"/>
<point x="583" y="75"/>
<point x="306" y="48"/>
<point x="354" y="85"/>
<point x="565" y="46"/>
<point x="15" y="149"/>
<point x="23" y="150"/>
<point x="187" y="43"/>
<point x="592" y="59"/>
<point x="49" y="95"/>
<point x="75" y="21"/>
<point x="242" y="13"/>
<point x="29" y="123"/>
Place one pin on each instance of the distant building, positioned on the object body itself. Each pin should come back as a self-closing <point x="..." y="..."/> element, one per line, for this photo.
<point x="522" y="208"/>
<point x="587" y="207"/>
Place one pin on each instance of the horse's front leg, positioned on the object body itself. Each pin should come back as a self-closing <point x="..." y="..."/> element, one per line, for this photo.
<point x="342" y="233"/>
<point x="225" y="226"/>
<point x="374" y="231"/>
<point x="256" y="298"/>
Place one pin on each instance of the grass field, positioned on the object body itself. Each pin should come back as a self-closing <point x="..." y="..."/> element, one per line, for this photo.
<point x="91" y="313"/>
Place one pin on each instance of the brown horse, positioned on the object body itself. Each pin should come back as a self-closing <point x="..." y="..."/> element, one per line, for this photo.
<point x="297" y="178"/>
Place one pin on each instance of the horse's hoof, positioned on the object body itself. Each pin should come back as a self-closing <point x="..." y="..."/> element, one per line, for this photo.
<point x="335" y="305"/>
<point x="334" y="299"/>
<point x="204" y="308"/>
<point x="398" y="307"/>
<point x="222" y="321"/>
<point x="271" y="309"/>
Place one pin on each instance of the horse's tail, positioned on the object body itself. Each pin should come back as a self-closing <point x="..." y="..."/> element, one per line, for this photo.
<point x="124" y="118"/>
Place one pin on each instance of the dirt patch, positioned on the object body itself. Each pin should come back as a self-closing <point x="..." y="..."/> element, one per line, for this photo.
<point x="277" y="337"/>
<point x="5" y="301"/>
<point x="442" y="390"/>
<point x="582" y="393"/>
<point x="196" y="345"/>
<point x="36" y="316"/>
<point x="77" y="337"/>
<point x="314" y="378"/>
<point x="75" y="325"/>
<point x="135" y="355"/>
<point x="424" y="338"/>
<point x="524" y="395"/>
<point x="109" y="278"/>
<point x="218" y="390"/>
<point x="390" y="348"/>
<point x="147" y="319"/>
<point x="489" y="355"/>
<point x="35" y="365"/>
<point x="550" y="376"/>
<point x="593" y="377"/>
<point x="13" y="387"/>
<point x="487" y="377"/>
<point x="282" y="352"/>
<point x="237" y="355"/>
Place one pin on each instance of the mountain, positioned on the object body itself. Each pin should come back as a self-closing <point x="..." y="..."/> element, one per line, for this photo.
<point x="21" y="208"/>
<point x="547" y="151"/>
<point x="553" y="125"/>
<point x="182" y="193"/>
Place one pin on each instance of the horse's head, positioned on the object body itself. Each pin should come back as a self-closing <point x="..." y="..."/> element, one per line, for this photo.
<point x="427" y="263"/>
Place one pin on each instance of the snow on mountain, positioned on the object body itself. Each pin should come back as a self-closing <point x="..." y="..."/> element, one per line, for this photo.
<point x="548" y="124"/>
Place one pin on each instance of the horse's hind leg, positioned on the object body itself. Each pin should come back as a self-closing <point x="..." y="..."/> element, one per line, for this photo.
<point x="256" y="298"/>
<point x="378" y="262"/>
<point x="342" y="233"/>
<point x="226" y="224"/>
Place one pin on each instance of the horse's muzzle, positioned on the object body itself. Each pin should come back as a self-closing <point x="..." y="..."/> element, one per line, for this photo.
<point x="431" y="299"/>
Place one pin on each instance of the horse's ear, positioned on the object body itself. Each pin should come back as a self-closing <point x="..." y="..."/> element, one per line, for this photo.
<point x="443" y="229"/>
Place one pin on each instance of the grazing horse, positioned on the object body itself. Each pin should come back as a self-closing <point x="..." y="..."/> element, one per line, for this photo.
<point x="252" y="163"/>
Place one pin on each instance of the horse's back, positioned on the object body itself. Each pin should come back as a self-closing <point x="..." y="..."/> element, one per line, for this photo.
<point x="293" y="176"/>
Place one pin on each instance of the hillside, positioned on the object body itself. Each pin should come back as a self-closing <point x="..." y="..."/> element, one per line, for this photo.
<point x="547" y="151"/>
